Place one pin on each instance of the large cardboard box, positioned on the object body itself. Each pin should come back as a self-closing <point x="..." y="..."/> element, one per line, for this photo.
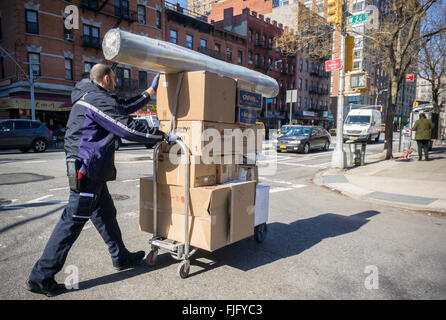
<point x="203" y="96"/>
<point x="172" y="170"/>
<point x="218" y="215"/>
<point x="213" y="138"/>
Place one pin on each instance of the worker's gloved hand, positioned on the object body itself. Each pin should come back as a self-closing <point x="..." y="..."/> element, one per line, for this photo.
<point x="155" y="81"/>
<point x="171" y="137"/>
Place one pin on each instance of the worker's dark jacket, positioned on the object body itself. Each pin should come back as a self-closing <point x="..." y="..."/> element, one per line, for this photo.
<point x="97" y="116"/>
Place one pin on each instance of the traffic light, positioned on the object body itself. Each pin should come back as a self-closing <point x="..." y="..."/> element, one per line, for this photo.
<point x="334" y="12"/>
<point x="349" y="54"/>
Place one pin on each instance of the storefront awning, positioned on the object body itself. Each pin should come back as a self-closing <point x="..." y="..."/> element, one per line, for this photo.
<point x="41" y="103"/>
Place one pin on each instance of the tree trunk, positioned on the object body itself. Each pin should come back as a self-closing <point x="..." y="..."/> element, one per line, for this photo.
<point x="388" y="139"/>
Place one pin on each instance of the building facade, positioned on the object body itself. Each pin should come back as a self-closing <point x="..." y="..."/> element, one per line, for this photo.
<point x="35" y="31"/>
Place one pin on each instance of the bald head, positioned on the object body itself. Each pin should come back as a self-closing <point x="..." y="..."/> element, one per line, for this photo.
<point x="98" y="71"/>
<point x="103" y="75"/>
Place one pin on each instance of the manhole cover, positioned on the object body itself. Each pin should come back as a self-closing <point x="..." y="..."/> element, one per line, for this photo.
<point x="120" y="197"/>
<point x="18" y="178"/>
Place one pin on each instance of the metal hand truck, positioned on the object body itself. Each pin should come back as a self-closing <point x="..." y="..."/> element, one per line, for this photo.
<point x="179" y="251"/>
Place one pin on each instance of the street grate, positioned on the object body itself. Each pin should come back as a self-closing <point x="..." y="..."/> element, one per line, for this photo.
<point x="339" y="178"/>
<point x="401" y="198"/>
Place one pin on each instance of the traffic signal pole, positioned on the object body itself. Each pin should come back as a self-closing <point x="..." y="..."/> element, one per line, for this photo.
<point x="401" y="116"/>
<point x="339" y="158"/>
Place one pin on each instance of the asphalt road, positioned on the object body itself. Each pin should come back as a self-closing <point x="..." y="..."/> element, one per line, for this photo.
<point x="320" y="245"/>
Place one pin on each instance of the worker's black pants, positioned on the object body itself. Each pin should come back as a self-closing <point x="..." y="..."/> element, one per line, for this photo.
<point x="95" y="203"/>
<point x="423" y="144"/>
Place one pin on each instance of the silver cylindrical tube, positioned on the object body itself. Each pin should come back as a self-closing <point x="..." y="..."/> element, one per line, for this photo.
<point x="158" y="55"/>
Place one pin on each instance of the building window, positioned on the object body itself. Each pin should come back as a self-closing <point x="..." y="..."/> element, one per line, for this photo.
<point x="306" y="84"/>
<point x="122" y="78"/>
<point x="158" y="19"/>
<point x="217" y="47"/>
<point x="249" y="57"/>
<point x="2" y="65"/>
<point x="240" y="57"/>
<point x="203" y="43"/>
<point x="300" y="84"/>
<point x="173" y="36"/>
<point x="299" y="102"/>
<point x="256" y="59"/>
<point x="301" y="64"/>
<point x="93" y="4"/>
<point x="32" y="22"/>
<point x="229" y="54"/>
<point x="257" y="38"/>
<point x="142" y="80"/>
<point x="91" y="36"/>
<point x="34" y="58"/>
<point x="141" y="14"/>
<point x="68" y="69"/>
<point x="306" y="65"/>
<point x="250" y="35"/>
<point x="189" y="41"/>
<point x="121" y="8"/>
<point x="357" y="7"/>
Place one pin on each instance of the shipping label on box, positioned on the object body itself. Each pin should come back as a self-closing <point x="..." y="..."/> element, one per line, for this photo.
<point x="245" y="116"/>
<point x="203" y="96"/>
<point x="249" y="99"/>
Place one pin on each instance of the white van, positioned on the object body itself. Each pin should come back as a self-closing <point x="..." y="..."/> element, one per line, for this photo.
<point x="362" y="125"/>
<point x="151" y="120"/>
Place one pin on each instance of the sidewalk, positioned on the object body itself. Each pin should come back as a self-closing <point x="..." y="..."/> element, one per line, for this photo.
<point x="409" y="184"/>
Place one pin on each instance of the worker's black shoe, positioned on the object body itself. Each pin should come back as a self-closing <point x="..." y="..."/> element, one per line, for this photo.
<point x="49" y="287"/>
<point x="133" y="260"/>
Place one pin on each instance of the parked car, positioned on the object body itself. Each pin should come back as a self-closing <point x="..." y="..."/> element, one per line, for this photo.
<point x="24" y="134"/>
<point x="303" y="139"/>
<point x="149" y="120"/>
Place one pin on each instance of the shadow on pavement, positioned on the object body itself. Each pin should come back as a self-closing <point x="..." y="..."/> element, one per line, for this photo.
<point x="14" y="225"/>
<point x="282" y="241"/>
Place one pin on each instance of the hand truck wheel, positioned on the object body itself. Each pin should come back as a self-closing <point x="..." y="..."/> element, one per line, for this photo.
<point x="151" y="257"/>
<point x="183" y="269"/>
<point x="260" y="232"/>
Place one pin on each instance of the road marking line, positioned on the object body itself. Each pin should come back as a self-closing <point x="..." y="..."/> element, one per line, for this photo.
<point x="297" y="186"/>
<point x="36" y="161"/>
<point x="40" y="199"/>
<point x="56" y="189"/>
<point x="280" y="181"/>
<point x="279" y="189"/>
<point x="132" y="180"/>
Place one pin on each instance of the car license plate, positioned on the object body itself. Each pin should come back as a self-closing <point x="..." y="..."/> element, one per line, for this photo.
<point x="282" y="147"/>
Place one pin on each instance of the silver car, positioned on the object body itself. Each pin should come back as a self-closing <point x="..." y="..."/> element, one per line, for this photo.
<point x="24" y="135"/>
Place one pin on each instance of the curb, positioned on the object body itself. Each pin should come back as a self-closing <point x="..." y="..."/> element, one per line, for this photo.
<point x="318" y="180"/>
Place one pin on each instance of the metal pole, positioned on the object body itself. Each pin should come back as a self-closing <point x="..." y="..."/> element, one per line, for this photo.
<point x="31" y="90"/>
<point x="339" y="157"/>
<point x="291" y="113"/>
<point x="401" y="116"/>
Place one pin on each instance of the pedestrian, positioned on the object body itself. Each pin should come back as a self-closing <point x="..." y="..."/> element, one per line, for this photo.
<point x="422" y="128"/>
<point x="97" y="116"/>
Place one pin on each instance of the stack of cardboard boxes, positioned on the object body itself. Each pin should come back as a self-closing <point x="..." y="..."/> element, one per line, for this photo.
<point x="215" y="118"/>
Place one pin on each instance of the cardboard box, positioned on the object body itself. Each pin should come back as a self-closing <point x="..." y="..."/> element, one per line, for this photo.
<point x="227" y="172"/>
<point x="213" y="138"/>
<point x="246" y="116"/>
<point x="219" y="215"/>
<point x="172" y="170"/>
<point x="203" y="96"/>
<point x="262" y="204"/>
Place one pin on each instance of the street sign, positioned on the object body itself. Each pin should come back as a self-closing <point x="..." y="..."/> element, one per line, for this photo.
<point x="291" y="96"/>
<point x="358" y="18"/>
<point x="333" y="65"/>
<point x="409" y="77"/>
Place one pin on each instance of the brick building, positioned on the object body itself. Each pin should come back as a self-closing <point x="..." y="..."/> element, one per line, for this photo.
<point x="34" y="31"/>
